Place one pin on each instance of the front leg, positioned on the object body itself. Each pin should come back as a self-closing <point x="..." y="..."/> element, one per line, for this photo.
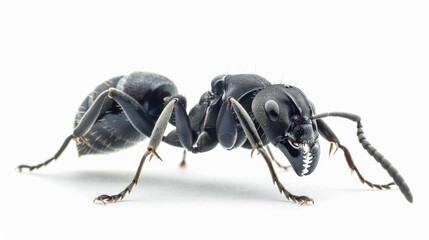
<point x="277" y="162"/>
<point x="328" y="134"/>
<point x="256" y="142"/>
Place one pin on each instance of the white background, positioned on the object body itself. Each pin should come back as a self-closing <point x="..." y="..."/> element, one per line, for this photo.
<point x="365" y="57"/>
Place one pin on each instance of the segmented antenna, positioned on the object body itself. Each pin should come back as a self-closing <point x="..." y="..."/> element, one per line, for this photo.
<point x="397" y="178"/>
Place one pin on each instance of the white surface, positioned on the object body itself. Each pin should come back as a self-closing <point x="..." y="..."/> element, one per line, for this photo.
<point x="365" y="57"/>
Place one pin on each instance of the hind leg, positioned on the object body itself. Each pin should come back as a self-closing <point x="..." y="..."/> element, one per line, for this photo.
<point x="79" y="132"/>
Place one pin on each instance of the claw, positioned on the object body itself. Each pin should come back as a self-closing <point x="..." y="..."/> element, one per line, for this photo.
<point x="20" y="167"/>
<point x="253" y="150"/>
<point x="307" y="202"/>
<point x="84" y="140"/>
<point x="331" y="148"/>
<point x="154" y="153"/>
<point x="104" y="199"/>
<point x="303" y="200"/>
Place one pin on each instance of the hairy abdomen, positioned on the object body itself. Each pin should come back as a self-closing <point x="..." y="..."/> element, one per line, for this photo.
<point x="112" y="131"/>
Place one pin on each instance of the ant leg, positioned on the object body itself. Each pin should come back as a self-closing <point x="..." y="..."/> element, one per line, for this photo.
<point x="155" y="139"/>
<point x="173" y="139"/>
<point x="255" y="140"/>
<point x="57" y="155"/>
<point x="114" y="198"/>
<point x="327" y="133"/>
<point x="183" y="162"/>
<point x="87" y="121"/>
<point x="206" y="141"/>
<point x="275" y="161"/>
<point x="135" y="113"/>
<point x="133" y="110"/>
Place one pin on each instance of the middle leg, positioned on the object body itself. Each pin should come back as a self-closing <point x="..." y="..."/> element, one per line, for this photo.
<point x="155" y="139"/>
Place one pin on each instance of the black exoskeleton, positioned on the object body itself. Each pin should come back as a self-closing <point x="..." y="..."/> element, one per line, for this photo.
<point x="243" y="110"/>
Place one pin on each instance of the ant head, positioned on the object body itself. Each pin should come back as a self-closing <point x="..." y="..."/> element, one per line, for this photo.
<point x="284" y="113"/>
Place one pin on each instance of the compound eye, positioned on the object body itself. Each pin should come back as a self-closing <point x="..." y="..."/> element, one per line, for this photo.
<point x="272" y="110"/>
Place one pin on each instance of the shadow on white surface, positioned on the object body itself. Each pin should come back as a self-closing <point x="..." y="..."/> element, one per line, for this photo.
<point x="167" y="187"/>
